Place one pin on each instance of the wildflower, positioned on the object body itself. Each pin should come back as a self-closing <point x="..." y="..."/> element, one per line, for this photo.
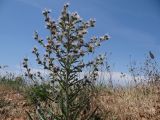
<point x="25" y="65"/>
<point x="85" y="77"/>
<point x="82" y="32"/>
<point x="52" y="81"/>
<point x="76" y="16"/>
<point x="56" y="69"/>
<point x="46" y="55"/>
<point x="48" y="38"/>
<point x="75" y="50"/>
<point x="92" y="23"/>
<point x="58" y="44"/>
<point x="45" y="12"/>
<point x="97" y="44"/>
<point x="39" y="62"/>
<point x="81" y="64"/>
<point x="81" y="41"/>
<point x="47" y="19"/>
<point x="90" y="48"/>
<point x="37" y="54"/>
<point x="66" y="5"/>
<point x="93" y="39"/>
<point x="25" y="59"/>
<point x="40" y="41"/>
<point x="35" y="35"/>
<point x="48" y="25"/>
<point x="63" y="59"/>
<point x="90" y="63"/>
<point x="35" y="49"/>
<point x="26" y="74"/>
<point x="105" y="37"/>
<point x="101" y="57"/>
<point x="45" y="67"/>
<point x="31" y="75"/>
<point x="96" y="69"/>
<point x="82" y="53"/>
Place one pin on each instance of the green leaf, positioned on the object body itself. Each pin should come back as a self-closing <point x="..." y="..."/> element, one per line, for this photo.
<point x="30" y="118"/>
<point x="41" y="114"/>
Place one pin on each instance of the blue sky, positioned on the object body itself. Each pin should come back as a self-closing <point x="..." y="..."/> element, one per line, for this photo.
<point x="133" y="25"/>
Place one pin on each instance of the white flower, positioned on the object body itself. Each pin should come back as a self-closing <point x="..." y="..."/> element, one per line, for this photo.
<point x="45" y="11"/>
<point x="66" y="5"/>
<point x="92" y="22"/>
<point x="36" y="35"/>
<point x="76" y="15"/>
<point x="97" y="44"/>
<point x="82" y="32"/>
<point x="105" y="37"/>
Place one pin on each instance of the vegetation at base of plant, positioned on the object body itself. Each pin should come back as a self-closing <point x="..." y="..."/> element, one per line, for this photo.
<point x="37" y="92"/>
<point x="10" y="80"/>
<point x="16" y="84"/>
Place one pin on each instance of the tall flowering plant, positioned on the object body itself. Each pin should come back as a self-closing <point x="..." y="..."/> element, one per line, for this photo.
<point x="65" y="49"/>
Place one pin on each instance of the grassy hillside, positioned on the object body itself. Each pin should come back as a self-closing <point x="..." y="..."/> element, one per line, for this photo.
<point x="133" y="103"/>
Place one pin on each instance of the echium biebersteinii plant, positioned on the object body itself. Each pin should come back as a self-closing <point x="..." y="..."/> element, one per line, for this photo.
<point x="65" y="49"/>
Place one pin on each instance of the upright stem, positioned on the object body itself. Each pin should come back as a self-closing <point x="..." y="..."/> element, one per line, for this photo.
<point x="67" y="79"/>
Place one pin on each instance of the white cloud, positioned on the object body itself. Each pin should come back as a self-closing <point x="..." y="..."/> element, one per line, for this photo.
<point x="115" y="77"/>
<point x="104" y="76"/>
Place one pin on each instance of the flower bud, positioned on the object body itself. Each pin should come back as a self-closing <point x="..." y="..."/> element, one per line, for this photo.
<point x="45" y="12"/>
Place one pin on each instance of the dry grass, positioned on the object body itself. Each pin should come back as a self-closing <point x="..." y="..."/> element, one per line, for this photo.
<point x="136" y="103"/>
<point x="13" y="104"/>
<point x="132" y="103"/>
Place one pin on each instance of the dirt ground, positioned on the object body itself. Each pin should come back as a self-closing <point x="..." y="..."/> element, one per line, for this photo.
<point x="13" y="105"/>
